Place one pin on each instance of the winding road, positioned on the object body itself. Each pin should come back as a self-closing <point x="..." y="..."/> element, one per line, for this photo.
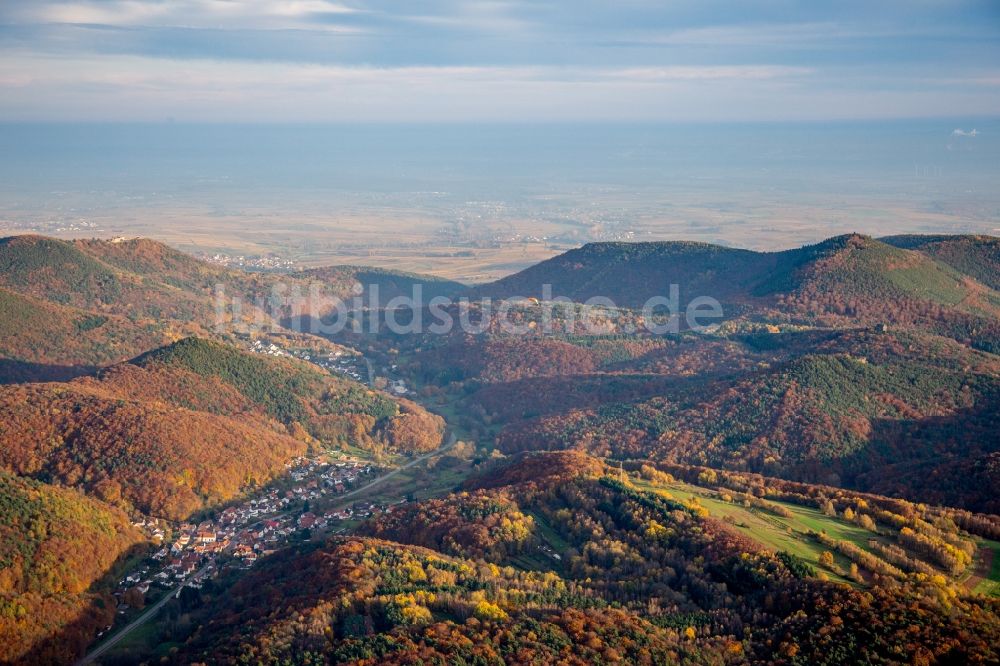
<point x="137" y="622"/>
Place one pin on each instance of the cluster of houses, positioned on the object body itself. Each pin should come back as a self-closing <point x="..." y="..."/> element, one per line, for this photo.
<point x="343" y="363"/>
<point x="359" y="511"/>
<point x="338" y="361"/>
<point x="263" y="263"/>
<point x="251" y="529"/>
<point x="153" y="528"/>
<point x="271" y="349"/>
<point x="314" y="478"/>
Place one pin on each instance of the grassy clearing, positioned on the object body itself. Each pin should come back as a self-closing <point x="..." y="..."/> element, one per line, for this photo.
<point x="539" y="560"/>
<point x="453" y="408"/>
<point x="440" y="482"/>
<point x="534" y="561"/>
<point x="774" y="532"/>
<point x="552" y="537"/>
<point x="363" y="454"/>
<point x="791" y="534"/>
<point x="990" y="584"/>
<point x="417" y="481"/>
<point x="140" y="637"/>
<point x="143" y="640"/>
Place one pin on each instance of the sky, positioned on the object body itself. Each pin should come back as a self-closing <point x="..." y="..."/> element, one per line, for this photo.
<point x="444" y="61"/>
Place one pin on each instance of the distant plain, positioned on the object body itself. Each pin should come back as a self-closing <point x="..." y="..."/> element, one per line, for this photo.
<point x="476" y="203"/>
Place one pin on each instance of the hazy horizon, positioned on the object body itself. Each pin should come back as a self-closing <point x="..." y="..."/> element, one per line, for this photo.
<point x="760" y="185"/>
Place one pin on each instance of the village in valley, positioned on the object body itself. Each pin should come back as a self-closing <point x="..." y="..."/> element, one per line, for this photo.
<point x="187" y="554"/>
<point x="308" y="500"/>
<point x="348" y="363"/>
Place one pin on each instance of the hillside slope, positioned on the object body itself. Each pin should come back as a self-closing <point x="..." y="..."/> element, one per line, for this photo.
<point x="331" y="409"/>
<point x="55" y="544"/>
<point x="130" y="296"/>
<point x="60" y="272"/>
<point x="194" y="423"/>
<point x="975" y="256"/>
<point x="849" y="279"/>
<point x="856" y="279"/>
<point x="156" y="458"/>
<point x="576" y="566"/>
<point x="43" y="340"/>
<point x="379" y="285"/>
<point x="895" y="404"/>
<point x="631" y="273"/>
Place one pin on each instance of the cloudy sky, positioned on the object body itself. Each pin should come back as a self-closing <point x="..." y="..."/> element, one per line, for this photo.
<point x="492" y="60"/>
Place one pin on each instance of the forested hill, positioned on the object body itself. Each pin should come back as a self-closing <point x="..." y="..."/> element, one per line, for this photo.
<point x="68" y="306"/>
<point x="944" y="285"/>
<point x="332" y="410"/>
<point x="630" y="273"/>
<point x="897" y="410"/>
<point x="193" y="423"/>
<point x="73" y="273"/>
<point x="388" y="284"/>
<point x="43" y="340"/>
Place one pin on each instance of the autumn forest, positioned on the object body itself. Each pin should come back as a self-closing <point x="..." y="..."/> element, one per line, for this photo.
<point x="813" y="479"/>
